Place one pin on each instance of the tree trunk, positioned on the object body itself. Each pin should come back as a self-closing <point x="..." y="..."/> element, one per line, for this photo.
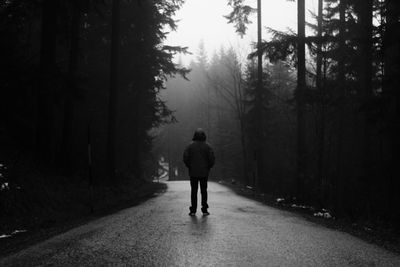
<point x="244" y="151"/>
<point x="113" y="90"/>
<point x="259" y="105"/>
<point x="300" y="100"/>
<point x="338" y="180"/>
<point x="391" y="85"/>
<point x="365" y="81"/>
<point x="66" y="142"/>
<point x="321" y="126"/>
<point x="242" y="126"/>
<point x="44" y="134"/>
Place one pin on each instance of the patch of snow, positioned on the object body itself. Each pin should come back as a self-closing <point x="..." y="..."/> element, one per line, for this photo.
<point x="4" y="186"/>
<point x="300" y="206"/>
<point x="13" y="233"/>
<point x="18" y="231"/>
<point x="324" y="214"/>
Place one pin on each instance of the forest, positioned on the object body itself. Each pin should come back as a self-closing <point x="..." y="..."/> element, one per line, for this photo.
<point x="79" y="96"/>
<point x="91" y="98"/>
<point x="323" y="126"/>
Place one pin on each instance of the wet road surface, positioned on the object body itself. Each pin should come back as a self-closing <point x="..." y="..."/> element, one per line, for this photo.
<point x="239" y="232"/>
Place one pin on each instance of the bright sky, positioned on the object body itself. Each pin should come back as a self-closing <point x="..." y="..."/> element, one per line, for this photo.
<point x="203" y="20"/>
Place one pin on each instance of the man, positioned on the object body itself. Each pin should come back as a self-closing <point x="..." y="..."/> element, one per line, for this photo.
<point x="199" y="159"/>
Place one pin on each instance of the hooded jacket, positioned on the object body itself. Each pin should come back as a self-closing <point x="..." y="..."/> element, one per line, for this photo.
<point x="199" y="156"/>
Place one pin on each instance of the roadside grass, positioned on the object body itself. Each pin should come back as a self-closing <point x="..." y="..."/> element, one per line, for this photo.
<point x="35" y="204"/>
<point x="378" y="232"/>
<point x="53" y="209"/>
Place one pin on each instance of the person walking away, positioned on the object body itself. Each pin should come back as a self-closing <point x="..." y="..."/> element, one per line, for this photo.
<point x="199" y="159"/>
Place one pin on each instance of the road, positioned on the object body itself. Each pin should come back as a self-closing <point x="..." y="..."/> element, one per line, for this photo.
<point x="239" y="232"/>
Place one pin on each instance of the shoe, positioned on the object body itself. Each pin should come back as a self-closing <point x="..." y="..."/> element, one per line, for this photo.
<point x="192" y="213"/>
<point x="206" y="213"/>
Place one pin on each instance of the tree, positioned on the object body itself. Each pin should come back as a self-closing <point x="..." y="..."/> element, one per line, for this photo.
<point x="320" y="88"/>
<point x="260" y="174"/>
<point x="113" y="93"/>
<point x="71" y="88"/>
<point x="226" y="78"/>
<point x="240" y="17"/>
<point x="68" y="98"/>
<point x="391" y="94"/>
<point x="341" y="74"/>
<point x="45" y="142"/>
<point x="300" y="99"/>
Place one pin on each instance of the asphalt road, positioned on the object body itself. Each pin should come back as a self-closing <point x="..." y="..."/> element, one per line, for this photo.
<point x="239" y="232"/>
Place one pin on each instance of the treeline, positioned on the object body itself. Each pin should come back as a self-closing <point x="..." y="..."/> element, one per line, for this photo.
<point x="83" y="77"/>
<point x="219" y="97"/>
<point x="347" y="105"/>
<point x="349" y="127"/>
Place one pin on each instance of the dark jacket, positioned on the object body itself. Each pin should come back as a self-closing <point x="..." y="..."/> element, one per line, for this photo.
<point x="199" y="158"/>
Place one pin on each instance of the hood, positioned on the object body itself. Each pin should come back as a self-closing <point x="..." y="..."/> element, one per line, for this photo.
<point x="199" y="135"/>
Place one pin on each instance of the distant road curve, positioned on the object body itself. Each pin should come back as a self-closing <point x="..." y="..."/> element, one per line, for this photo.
<point x="239" y="232"/>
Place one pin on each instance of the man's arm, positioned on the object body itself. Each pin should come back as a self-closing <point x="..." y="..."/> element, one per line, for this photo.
<point x="211" y="157"/>
<point x="186" y="157"/>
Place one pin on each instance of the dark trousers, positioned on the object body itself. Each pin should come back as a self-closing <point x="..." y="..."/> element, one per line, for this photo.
<point x="194" y="183"/>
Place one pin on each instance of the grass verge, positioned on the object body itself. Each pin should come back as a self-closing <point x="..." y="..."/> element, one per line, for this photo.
<point x="68" y="210"/>
<point x="379" y="233"/>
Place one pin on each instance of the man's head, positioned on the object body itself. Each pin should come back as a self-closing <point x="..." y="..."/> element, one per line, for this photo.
<point x="199" y="135"/>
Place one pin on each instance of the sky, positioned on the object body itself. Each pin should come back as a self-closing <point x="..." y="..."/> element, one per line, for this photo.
<point x="203" y="20"/>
